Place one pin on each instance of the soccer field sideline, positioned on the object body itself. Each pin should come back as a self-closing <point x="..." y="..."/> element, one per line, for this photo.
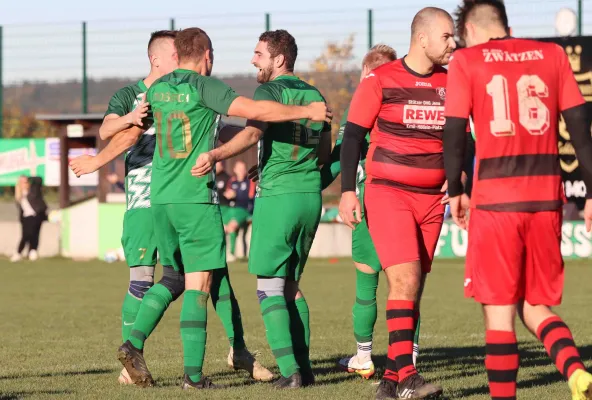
<point x="60" y="341"/>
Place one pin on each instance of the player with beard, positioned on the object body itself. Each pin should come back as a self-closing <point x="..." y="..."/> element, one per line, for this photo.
<point x="287" y="205"/>
<point x="402" y="103"/>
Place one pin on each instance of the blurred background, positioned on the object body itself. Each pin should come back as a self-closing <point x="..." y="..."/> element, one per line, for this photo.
<point x="60" y="64"/>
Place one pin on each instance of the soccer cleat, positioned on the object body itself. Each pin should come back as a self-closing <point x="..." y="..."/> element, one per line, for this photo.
<point x="124" y="378"/>
<point x="244" y="360"/>
<point x="16" y="257"/>
<point x="415" y="387"/>
<point x="204" y="383"/>
<point x="387" y="390"/>
<point x="294" y="381"/>
<point x="580" y="384"/>
<point x="352" y="364"/>
<point x="133" y="361"/>
<point x="33" y="256"/>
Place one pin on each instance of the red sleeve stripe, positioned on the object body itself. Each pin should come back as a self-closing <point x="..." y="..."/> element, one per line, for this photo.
<point x="519" y="165"/>
<point x="422" y="161"/>
<point x="401" y="130"/>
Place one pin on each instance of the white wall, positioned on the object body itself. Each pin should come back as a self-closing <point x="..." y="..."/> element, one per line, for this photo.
<point x="49" y="239"/>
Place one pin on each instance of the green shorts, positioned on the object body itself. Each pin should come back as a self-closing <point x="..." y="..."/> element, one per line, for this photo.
<point x="283" y="229"/>
<point x="363" y="250"/>
<point x="190" y="237"/>
<point x="238" y="214"/>
<point x="138" y="240"/>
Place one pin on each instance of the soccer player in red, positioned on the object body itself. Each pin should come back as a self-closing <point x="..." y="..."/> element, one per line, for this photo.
<point x="514" y="89"/>
<point x="402" y="103"/>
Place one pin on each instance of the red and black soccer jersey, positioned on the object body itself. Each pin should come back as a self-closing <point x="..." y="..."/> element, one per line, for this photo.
<point x="405" y="112"/>
<point x="514" y="90"/>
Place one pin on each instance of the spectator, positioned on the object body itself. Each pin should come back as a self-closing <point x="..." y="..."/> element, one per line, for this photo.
<point x="32" y="212"/>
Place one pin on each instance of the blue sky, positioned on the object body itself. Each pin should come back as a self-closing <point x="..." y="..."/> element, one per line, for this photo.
<point x="43" y="42"/>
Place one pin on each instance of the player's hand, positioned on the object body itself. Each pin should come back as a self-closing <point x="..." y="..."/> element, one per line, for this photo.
<point x="203" y="165"/>
<point x="588" y="214"/>
<point x="229" y="194"/>
<point x="253" y="173"/>
<point x="320" y="112"/>
<point x="446" y="198"/>
<point x="459" y="208"/>
<point x="83" y="165"/>
<point x="112" y="178"/>
<point x="350" y="210"/>
<point x="139" y="113"/>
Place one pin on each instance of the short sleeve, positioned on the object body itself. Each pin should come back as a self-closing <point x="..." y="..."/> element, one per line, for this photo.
<point x="118" y="104"/>
<point x="264" y="92"/>
<point x="366" y="102"/>
<point x="569" y="92"/>
<point x="458" y="88"/>
<point x="216" y="95"/>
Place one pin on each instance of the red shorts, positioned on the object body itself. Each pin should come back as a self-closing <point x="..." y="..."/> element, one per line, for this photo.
<point x="513" y="256"/>
<point x="404" y="226"/>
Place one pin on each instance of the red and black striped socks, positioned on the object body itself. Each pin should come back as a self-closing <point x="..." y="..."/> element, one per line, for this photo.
<point x="501" y="362"/>
<point x="401" y="325"/>
<point x="559" y="343"/>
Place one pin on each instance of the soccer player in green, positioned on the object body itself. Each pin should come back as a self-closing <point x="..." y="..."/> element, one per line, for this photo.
<point x="186" y="106"/>
<point x="288" y="203"/>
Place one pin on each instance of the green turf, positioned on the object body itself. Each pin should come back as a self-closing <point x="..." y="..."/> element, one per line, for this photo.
<point x="60" y="328"/>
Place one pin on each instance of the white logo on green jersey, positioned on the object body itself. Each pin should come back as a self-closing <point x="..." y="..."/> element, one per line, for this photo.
<point x="138" y="187"/>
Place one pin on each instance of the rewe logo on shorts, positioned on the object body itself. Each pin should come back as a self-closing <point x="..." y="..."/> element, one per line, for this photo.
<point x="416" y="114"/>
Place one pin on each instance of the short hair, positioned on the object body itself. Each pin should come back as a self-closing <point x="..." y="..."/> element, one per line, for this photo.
<point x="482" y="12"/>
<point x="424" y="17"/>
<point x="155" y="36"/>
<point x="192" y="43"/>
<point x="281" y="42"/>
<point x="378" y="55"/>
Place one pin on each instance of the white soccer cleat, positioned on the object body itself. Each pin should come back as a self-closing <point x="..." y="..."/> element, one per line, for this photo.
<point x="352" y="364"/>
<point x="244" y="360"/>
<point x="124" y="378"/>
<point x="33" y="256"/>
<point x="16" y="257"/>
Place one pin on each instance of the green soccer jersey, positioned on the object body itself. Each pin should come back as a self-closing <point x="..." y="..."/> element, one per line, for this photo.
<point x="332" y="170"/>
<point x="186" y="108"/>
<point x="138" y="159"/>
<point x="288" y="150"/>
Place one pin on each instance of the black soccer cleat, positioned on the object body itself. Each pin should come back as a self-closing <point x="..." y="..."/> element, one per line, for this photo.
<point x="294" y="381"/>
<point x="133" y="361"/>
<point x="204" y="383"/>
<point x="415" y="387"/>
<point x="387" y="390"/>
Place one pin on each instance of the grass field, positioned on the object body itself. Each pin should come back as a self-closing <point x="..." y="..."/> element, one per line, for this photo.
<point x="60" y="328"/>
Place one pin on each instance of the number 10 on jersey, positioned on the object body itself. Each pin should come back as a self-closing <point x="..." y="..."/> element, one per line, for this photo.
<point x="533" y="113"/>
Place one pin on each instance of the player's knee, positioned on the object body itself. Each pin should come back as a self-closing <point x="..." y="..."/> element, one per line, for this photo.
<point x="174" y="281"/>
<point x="268" y="287"/>
<point x="141" y="280"/>
<point x="365" y="268"/>
<point x="292" y="291"/>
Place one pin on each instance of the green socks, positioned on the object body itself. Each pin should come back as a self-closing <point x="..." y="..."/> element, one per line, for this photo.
<point x="227" y="308"/>
<point x="194" y="319"/>
<point x="129" y="312"/>
<point x="152" y="308"/>
<point x="364" y="310"/>
<point x="232" y="236"/>
<point x="277" y="326"/>
<point x="300" y="330"/>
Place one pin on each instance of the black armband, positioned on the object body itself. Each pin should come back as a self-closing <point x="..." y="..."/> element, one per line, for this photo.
<point x="577" y="125"/>
<point x="454" y="140"/>
<point x="353" y="136"/>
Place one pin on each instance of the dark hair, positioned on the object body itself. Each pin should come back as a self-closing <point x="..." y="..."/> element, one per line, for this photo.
<point x="497" y="14"/>
<point x="154" y="36"/>
<point x="192" y="43"/>
<point x="281" y="42"/>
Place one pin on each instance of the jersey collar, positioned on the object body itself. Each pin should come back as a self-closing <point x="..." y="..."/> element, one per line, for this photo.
<point x="501" y="38"/>
<point x="142" y="86"/>
<point x="412" y="72"/>
<point x="293" y="77"/>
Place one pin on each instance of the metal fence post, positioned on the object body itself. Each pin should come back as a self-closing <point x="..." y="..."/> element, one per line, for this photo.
<point x="267" y="22"/>
<point x="580" y="15"/>
<point x="84" y="77"/>
<point x="370" y="29"/>
<point x="172" y="24"/>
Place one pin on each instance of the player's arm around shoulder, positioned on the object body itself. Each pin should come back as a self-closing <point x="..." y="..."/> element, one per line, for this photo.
<point x="120" y="114"/>
<point x="267" y="108"/>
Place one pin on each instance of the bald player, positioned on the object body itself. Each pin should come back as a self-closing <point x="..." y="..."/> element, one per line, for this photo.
<point x="402" y="104"/>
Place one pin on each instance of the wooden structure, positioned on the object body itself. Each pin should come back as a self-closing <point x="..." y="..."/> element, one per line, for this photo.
<point x="76" y="131"/>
